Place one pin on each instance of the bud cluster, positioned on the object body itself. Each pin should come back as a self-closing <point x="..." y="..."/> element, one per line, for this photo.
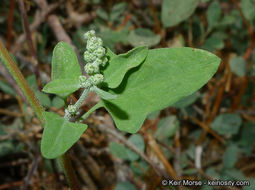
<point x="94" y="57"/>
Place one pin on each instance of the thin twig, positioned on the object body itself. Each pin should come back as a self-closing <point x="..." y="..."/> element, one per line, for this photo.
<point x="11" y="81"/>
<point x="10" y="113"/>
<point x="29" y="37"/>
<point x="70" y="173"/>
<point x="39" y="17"/>
<point x="177" y="161"/>
<point x="89" y="162"/>
<point x="156" y="149"/>
<point x="246" y="22"/>
<point x="10" y="21"/>
<point x="59" y="31"/>
<point x="156" y="19"/>
<point x="31" y="171"/>
<point x="207" y="129"/>
<point x="11" y="185"/>
<point x="122" y="139"/>
<point x="84" y="175"/>
<point x="75" y="18"/>
<point x="248" y="52"/>
<point x="244" y="83"/>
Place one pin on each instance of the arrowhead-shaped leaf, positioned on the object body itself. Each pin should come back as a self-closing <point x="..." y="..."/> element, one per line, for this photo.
<point x="64" y="62"/>
<point x="120" y="64"/>
<point x="59" y="135"/>
<point x="65" y="66"/>
<point x="166" y="76"/>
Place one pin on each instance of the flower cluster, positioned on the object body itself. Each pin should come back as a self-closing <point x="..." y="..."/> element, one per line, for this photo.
<point x="94" y="57"/>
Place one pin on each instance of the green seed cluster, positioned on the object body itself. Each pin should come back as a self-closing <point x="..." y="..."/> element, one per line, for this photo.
<point x="94" y="57"/>
<point x="71" y="110"/>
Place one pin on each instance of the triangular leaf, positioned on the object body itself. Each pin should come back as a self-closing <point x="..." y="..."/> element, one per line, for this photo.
<point x="64" y="62"/>
<point x="59" y="135"/>
<point x="65" y="66"/>
<point x="120" y="64"/>
<point x="166" y="76"/>
<point x="103" y="94"/>
<point x="62" y="87"/>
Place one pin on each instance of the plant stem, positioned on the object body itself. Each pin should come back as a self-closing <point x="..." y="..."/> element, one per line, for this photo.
<point x="69" y="172"/>
<point x="79" y="102"/>
<point x="81" y="99"/>
<point x="6" y="59"/>
<point x="20" y="80"/>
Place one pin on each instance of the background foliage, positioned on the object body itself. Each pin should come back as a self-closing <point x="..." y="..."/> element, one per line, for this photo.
<point x="219" y="119"/>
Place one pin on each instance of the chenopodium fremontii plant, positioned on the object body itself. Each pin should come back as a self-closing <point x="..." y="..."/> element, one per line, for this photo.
<point x="131" y="85"/>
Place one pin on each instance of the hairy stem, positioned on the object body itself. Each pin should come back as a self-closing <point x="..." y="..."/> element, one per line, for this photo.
<point x="79" y="102"/>
<point x="20" y="80"/>
<point x="81" y="99"/>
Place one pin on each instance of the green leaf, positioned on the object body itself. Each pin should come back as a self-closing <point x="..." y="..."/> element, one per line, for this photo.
<point x="143" y="37"/>
<point x="166" y="76"/>
<point x="103" y="94"/>
<point x="212" y="172"/>
<point x="176" y="11"/>
<point x="62" y="87"/>
<point x="213" y="14"/>
<point x="227" y="124"/>
<point x="117" y="10"/>
<point x="122" y="152"/>
<point x="120" y="64"/>
<point x="111" y="37"/>
<point x="59" y="135"/>
<point x="6" y="88"/>
<point x="166" y="127"/>
<point x="248" y="7"/>
<point x="58" y="102"/>
<point x="233" y="173"/>
<point x="138" y="142"/>
<point x="43" y="99"/>
<point x="153" y="115"/>
<point x="213" y="43"/>
<point x="139" y="167"/>
<point x="64" y="62"/>
<point x="102" y="14"/>
<point x="7" y="147"/>
<point x="186" y="101"/>
<point x="252" y="184"/>
<point x="2" y="132"/>
<point x="230" y="156"/>
<point x="118" y="150"/>
<point x="237" y="65"/>
<point x="65" y="66"/>
<point x="247" y="140"/>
